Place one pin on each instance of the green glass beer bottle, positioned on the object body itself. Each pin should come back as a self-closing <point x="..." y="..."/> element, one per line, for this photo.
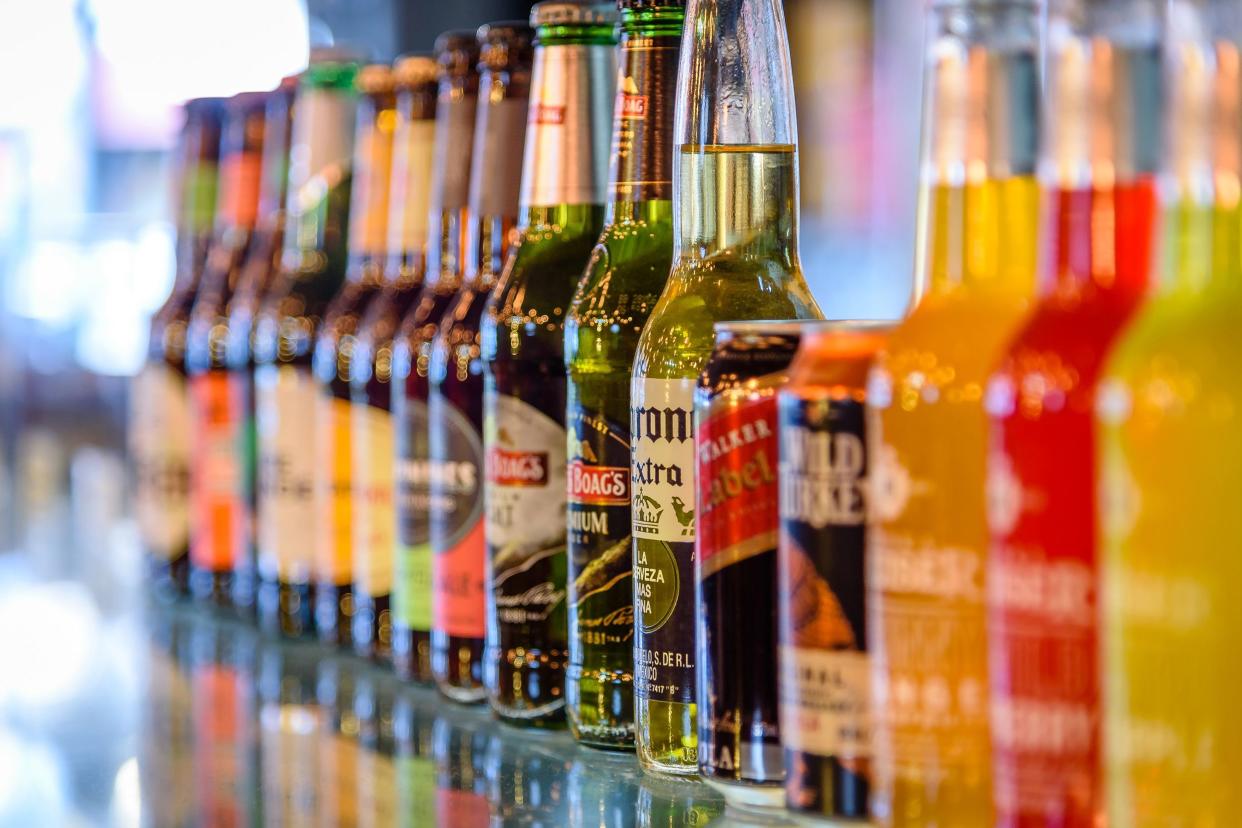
<point x="564" y="175"/>
<point x="736" y="241"/>
<point x="311" y="271"/>
<point x="622" y="282"/>
<point x="455" y="402"/>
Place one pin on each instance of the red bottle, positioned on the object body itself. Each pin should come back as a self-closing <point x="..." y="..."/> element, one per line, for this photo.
<point x="1098" y="162"/>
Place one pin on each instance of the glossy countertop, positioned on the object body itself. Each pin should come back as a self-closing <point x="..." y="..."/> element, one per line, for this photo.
<point x="117" y="709"/>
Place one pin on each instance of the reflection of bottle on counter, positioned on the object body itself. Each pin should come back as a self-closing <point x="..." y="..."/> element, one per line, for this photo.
<point x="526" y="777"/>
<point x="459" y="742"/>
<point x="376" y="784"/>
<point x="290" y="726"/>
<point x="603" y="788"/>
<point x="222" y="709"/>
<point x="164" y="759"/>
<point x="413" y="720"/>
<point x="335" y="750"/>
<point x="664" y="803"/>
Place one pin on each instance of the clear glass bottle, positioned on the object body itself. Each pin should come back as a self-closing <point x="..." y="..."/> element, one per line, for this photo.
<point x="735" y="238"/>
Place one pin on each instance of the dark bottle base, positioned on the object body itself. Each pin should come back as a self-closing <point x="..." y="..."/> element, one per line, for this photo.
<point x="285" y="608"/>
<point x="411" y="654"/>
<point x="527" y="689"/>
<point x="169" y="578"/>
<point x="372" y="627"/>
<point x="334" y="613"/>
<point x="457" y="666"/>
<point x="231" y="591"/>
<point x="600" y="707"/>
<point x="826" y="788"/>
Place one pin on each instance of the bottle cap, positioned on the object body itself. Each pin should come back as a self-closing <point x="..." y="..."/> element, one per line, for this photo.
<point x="639" y="5"/>
<point x="415" y="70"/>
<point x="457" y="53"/>
<point x="375" y="79"/>
<point x="562" y="12"/>
<point x="506" y="44"/>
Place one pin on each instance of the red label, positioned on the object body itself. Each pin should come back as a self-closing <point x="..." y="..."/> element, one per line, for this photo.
<point x="599" y="485"/>
<point x="517" y="468"/>
<point x="219" y="510"/>
<point x="633" y="106"/>
<point x="545" y="114"/>
<point x="738" y="513"/>
<point x="457" y="603"/>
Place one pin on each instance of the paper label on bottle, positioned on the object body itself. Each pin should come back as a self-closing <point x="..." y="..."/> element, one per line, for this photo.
<point x="412" y="590"/>
<point x="159" y="444"/>
<point x="413" y="160"/>
<point x="525" y="500"/>
<point x="825" y="701"/>
<point x="737" y="466"/>
<point x="663" y="463"/>
<point x="374" y="516"/>
<point x="219" y="494"/>
<point x="333" y="495"/>
<point x="285" y="410"/>
<point x="457" y="521"/>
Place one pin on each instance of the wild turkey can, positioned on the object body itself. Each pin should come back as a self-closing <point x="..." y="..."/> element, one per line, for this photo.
<point x="735" y="557"/>
<point x="825" y="692"/>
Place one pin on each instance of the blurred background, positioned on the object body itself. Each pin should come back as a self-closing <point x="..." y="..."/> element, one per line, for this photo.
<point x="90" y="95"/>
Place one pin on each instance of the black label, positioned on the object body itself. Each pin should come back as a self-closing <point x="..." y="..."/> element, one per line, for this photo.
<point x="600" y="587"/>
<point x="642" y="136"/>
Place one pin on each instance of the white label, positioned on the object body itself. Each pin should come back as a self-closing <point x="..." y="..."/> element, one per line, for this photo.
<point x="663" y="462"/>
<point x="824" y="701"/>
<point x="284" y="418"/>
<point x="159" y="442"/>
<point x="526" y="486"/>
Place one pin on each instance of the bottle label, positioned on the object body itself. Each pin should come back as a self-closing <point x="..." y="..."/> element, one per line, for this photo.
<point x="159" y="443"/>
<point x="737" y="465"/>
<point x="457" y="522"/>
<point x="374" y="516"/>
<point x="411" y="195"/>
<point x="525" y="499"/>
<point x="824" y="667"/>
<point x="239" y="190"/>
<point x="601" y="602"/>
<point x="368" y="214"/>
<point x="643" y="119"/>
<point x="220" y="497"/>
<point x="496" y="193"/>
<point x="285" y="408"/>
<point x="412" y="594"/>
<point x="333" y="497"/>
<point x="662" y="482"/>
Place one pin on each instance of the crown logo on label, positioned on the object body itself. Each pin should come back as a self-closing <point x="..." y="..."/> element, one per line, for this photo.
<point x="647" y="512"/>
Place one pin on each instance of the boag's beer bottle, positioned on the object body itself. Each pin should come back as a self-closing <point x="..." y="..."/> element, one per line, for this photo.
<point x="455" y="403"/>
<point x="457" y="54"/>
<point x="1104" y="77"/>
<point x="562" y="211"/>
<point x="620" y="287"/>
<point x="736" y="257"/>
<point x="334" y="564"/>
<point x="371" y="369"/>
<point x="312" y="267"/>
<point x="159" y="427"/>
<point x="222" y="512"/>
<point x="1170" y="458"/>
<point x="926" y="425"/>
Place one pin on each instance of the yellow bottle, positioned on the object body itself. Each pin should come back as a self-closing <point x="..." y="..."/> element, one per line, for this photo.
<point x="926" y="422"/>
<point x="1170" y="443"/>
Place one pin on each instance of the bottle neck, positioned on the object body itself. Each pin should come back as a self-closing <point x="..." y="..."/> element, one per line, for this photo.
<point x="496" y="172"/>
<point x="566" y="158"/>
<point x="978" y="215"/>
<point x="450" y="186"/>
<point x="372" y="177"/>
<point x="1101" y="148"/>
<point x="642" y="138"/>
<point x="274" y="181"/>
<point x="412" y="165"/>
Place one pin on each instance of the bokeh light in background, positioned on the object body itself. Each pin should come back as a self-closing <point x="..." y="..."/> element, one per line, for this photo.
<point x="91" y="104"/>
